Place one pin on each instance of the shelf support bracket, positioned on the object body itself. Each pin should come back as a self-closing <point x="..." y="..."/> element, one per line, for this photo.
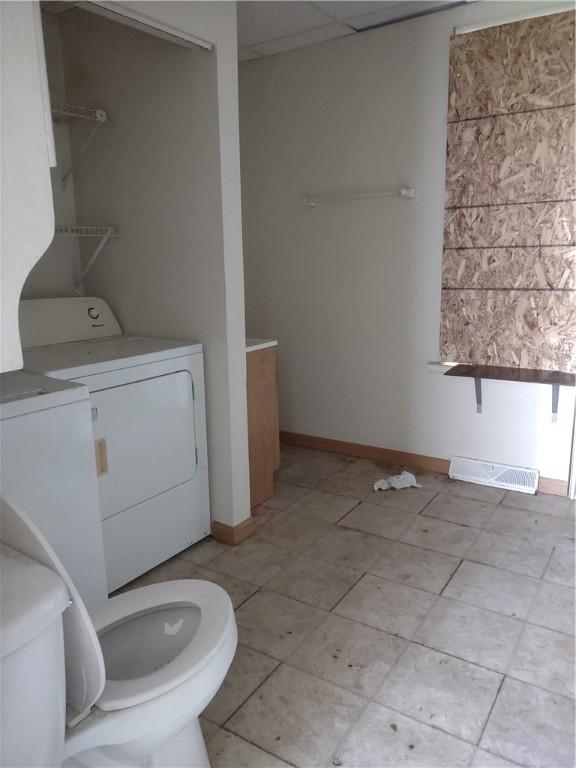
<point x="81" y="153"/>
<point x="478" y="390"/>
<point x="107" y="235"/>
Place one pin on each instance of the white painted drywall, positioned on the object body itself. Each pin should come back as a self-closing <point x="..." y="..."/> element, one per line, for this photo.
<point x="166" y="171"/>
<point x="352" y="290"/>
<point x="27" y="150"/>
<point x="55" y="273"/>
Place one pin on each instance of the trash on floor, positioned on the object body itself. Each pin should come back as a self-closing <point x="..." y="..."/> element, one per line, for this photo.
<point x="397" y="482"/>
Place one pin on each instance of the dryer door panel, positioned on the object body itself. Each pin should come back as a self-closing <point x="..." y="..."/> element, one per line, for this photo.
<point x="146" y="439"/>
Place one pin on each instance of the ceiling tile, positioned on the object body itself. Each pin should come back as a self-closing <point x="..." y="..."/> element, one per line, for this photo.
<point x="262" y="21"/>
<point x="349" y="9"/>
<point x="310" y="37"/>
<point x="245" y="54"/>
<point x="399" y="11"/>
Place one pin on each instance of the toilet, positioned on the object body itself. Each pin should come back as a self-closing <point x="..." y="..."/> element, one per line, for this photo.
<point x="137" y="674"/>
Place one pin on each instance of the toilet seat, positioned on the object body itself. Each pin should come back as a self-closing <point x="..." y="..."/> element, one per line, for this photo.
<point x="216" y="615"/>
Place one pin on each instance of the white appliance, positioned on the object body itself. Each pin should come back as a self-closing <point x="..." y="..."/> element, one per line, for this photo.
<point x="137" y="675"/>
<point x="47" y="467"/>
<point x="149" y="425"/>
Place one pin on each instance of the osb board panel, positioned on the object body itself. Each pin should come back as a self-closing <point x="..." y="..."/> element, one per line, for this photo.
<point x="512" y="158"/>
<point x="506" y="225"/>
<point x="511" y="328"/>
<point x="514" y="67"/>
<point x="507" y="268"/>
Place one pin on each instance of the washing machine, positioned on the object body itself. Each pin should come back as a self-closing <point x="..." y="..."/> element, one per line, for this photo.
<point x="148" y="422"/>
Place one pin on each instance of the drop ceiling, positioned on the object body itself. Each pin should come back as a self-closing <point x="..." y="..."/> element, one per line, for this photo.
<point x="269" y="27"/>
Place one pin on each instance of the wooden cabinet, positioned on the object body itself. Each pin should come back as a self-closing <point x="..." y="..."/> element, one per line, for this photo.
<point x="263" y="423"/>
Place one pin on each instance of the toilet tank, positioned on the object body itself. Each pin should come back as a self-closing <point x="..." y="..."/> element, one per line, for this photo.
<point x="33" y="690"/>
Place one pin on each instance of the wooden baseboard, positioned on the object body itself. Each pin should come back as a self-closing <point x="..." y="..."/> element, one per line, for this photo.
<point x="554" y="487"/>
<point x="388" y="456"/>
<point x="233" y="534"/>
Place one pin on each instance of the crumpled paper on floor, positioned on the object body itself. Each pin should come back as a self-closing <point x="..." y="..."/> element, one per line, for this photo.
<point x="397" y="482"/>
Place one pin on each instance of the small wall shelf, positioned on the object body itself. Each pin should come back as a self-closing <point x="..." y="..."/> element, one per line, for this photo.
<point x="64" y="113"/>
<point x="524" y="375"/>
<point x="87" y="230"/>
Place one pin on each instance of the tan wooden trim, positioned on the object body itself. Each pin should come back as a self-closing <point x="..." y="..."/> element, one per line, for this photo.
<point x="555" y="487"/>
<point x="233" y="534"/>
<point x="388" y="456"/>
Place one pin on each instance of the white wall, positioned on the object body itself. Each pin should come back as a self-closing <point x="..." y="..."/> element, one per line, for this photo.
<point x="156" y="172"/>
<point x="352" y="290"/>
<point x="55" y="273"/>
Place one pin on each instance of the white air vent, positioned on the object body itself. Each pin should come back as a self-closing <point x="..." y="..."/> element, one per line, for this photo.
<point x="498" y="475"/>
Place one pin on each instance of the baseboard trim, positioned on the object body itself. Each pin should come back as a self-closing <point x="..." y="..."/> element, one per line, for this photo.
<point x="389" y="456"/>
<point x="233" y="534"/>
<point x="554" y="487"/>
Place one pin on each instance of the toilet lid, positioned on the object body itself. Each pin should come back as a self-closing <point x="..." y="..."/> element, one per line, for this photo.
<point x="85" y="675"/>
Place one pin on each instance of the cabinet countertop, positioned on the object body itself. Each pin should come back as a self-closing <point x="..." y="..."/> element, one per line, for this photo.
<point x="253" y="344"/>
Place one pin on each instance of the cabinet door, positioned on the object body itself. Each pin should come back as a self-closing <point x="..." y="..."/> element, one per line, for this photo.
<point x="27" y="153"/>
<point x="263" y="422"/>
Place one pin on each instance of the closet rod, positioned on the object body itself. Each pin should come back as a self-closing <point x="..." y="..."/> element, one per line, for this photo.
<point x="313" y="200"/>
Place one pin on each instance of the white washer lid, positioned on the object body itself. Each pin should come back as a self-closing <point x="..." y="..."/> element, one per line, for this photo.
<point x="33" y="597"/>
<point x="85" y="675"/>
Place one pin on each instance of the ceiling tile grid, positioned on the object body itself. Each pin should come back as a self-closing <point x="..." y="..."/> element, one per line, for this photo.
<point x="268" y="27"/>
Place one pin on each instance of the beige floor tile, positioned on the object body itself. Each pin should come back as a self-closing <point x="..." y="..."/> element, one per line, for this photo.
<point x="248" y="670"/>
<point x="414" y="567"/>
<point x="287" y="531"/>
<point x="554" y="608"/>
<point x="386" y="605"/>
<point x="511" y="554"/>
<point x="406" y="500"/>
<point x="253" y="560"/>
<point x="285" y="494"/>
<point x="176" y="568"/>
<point x="352" y="548"/>
<point x="470" y="633"/>
<point x="226" y="750"/>
<point x="275" y="624"/>
<point x="378" y="520"/>
<point x="494" y="589"/>
<point x="458" y="509"/>
<point x="305" y="474"/>
<point x="297" y="717"/>
<point x="431" y="481"/>
<point x="290" y="454"/>
<point x="531" y="727"/>
<point x="440" y="536"/>
<point x="204" y="552"/>
<point x="352" y="655"/>
<point x="558" y="506"/>
<point x="316" y="582"/>
<point x="561" y="566"/>
<point x="545" y="658"/>
<point x="439" y="690"/>
<point x="209" y="730"/>
<point x="318" y="505"/>
<point x="372" y="469"/>
<point x="386" y="739"/>
<point x="531" y="525"/>
<point x="483" y="759"/>
<point x="472" y="491"/>
<point x="346" y="484"/>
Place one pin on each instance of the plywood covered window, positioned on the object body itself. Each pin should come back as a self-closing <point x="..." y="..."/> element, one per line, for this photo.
<point x="509" y="264"/>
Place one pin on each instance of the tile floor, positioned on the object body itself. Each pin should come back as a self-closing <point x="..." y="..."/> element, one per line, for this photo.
<point x="424" y="627"/>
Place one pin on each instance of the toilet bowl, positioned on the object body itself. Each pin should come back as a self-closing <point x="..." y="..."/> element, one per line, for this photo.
<point x="140" y="672"/>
